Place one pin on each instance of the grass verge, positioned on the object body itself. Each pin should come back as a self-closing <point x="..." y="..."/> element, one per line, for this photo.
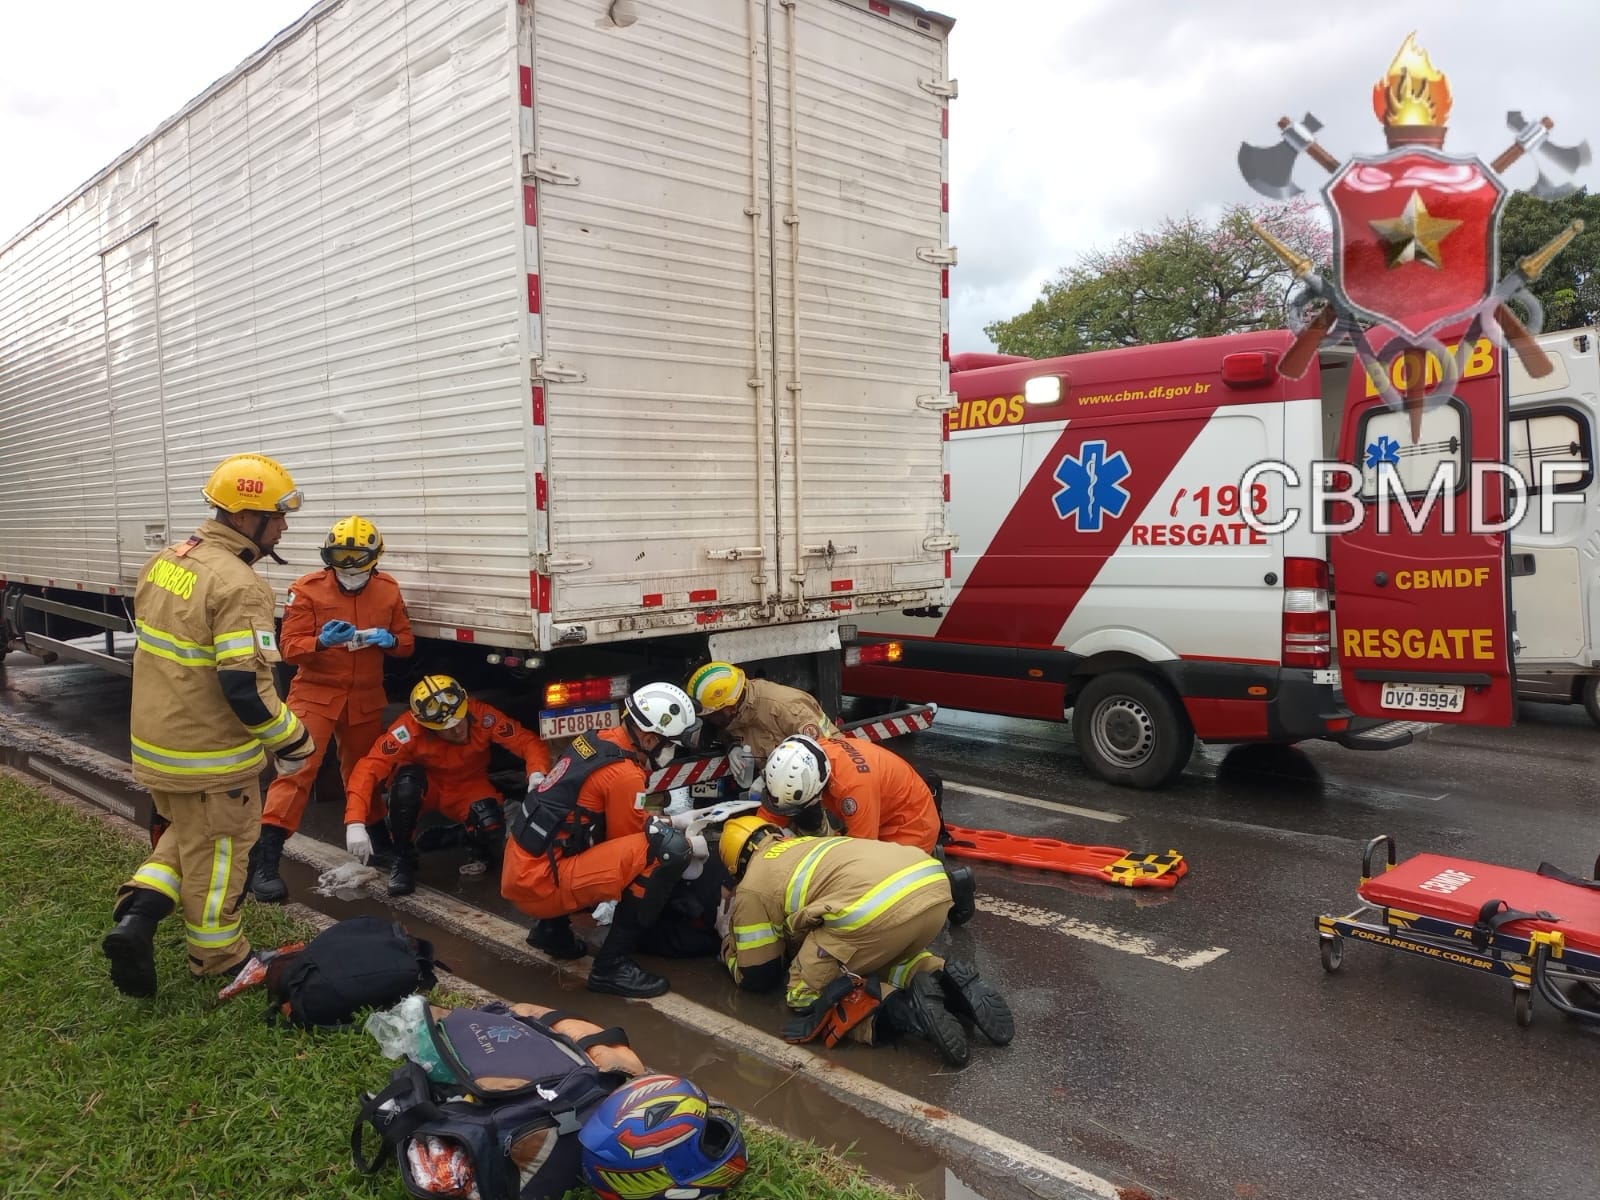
<point x="176" y="1096"/>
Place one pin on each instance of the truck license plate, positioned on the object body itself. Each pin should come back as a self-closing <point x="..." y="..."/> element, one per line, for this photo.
<point x="570" y="722"/>
<point x="1424" y="697"/>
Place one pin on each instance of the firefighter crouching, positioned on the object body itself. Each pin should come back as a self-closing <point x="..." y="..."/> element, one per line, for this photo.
<point x="751" y="716"/>
<point x="205" y="715"/>
<point x="853" y="918"/>
<point x="862" y="789"/>
<point x="583" y="838"/>
<point x="338" y="689"/>
<point x="435" y="760"/>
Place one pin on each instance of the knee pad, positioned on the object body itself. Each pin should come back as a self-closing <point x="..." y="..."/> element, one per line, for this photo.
<point x="656" y="887"/>
<point x="405" y="801"/>
<point x="935" y="784"/>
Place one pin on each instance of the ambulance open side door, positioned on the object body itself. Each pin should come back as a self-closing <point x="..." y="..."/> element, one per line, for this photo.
<point x="1420" y="565"/>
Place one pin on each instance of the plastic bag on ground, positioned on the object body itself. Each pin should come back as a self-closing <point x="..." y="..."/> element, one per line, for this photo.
<point x="347" y="881"/>
<point x="402" y="1032"/>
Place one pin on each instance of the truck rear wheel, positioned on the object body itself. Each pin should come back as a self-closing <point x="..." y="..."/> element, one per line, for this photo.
<point x="1591" y="698"/>
<point x="1131" y="730"/>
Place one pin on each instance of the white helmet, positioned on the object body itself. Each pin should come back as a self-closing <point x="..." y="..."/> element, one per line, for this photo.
<point x="662" y="708"/>
<point x="796" y="772"/>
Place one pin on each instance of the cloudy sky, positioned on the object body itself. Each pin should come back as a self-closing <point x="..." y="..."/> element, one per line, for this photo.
<point x="1077" y="121"/>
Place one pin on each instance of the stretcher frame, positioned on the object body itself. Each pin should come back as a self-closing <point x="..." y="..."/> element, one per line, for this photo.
<point x="1533" y="962"/>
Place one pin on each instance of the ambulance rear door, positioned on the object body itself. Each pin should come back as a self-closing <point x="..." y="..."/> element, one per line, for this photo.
<point x="1420" y="563"/>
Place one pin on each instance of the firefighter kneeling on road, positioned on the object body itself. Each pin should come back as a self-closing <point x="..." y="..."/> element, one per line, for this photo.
<point x="861" y="789"/>
<point x="338" y="689"/>
<point x="583" y="838"/>
<point x="435" y="759"/>
<point x="854" y="919"/>
<point x="751" y="716"/>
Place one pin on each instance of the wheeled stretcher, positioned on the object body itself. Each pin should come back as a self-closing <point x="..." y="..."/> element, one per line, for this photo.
<point x="1539" y="929"/>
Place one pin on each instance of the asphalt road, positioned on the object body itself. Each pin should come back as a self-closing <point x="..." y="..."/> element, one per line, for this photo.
<point x="1188" y="1040"/>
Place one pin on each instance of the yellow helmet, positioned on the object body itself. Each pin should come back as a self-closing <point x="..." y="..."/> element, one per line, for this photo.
<point x="353" y="544"/>
<point x="740" y="837"/>
<point x="438" y="702"/>
<point x="716" y="685"/>
<point x="252" y="483"/>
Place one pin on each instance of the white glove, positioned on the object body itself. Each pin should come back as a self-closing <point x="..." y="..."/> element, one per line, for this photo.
<point x="742" y="762"/>
<point x="699" y="853"/>
<point x="725" y="913"/>
<point x="535" y="778"/>
<point x="357" y="842"/>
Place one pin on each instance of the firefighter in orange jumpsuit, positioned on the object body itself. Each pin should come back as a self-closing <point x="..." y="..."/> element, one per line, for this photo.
<point x="584" y="838"/>
<point x="435" y="759"/>
<point x="864" y="790"/>
<point x="338" y="688"/>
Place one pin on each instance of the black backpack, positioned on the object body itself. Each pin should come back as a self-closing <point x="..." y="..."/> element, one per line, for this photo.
<point x="506" y="1120"/>
<point x="362" y="962"/>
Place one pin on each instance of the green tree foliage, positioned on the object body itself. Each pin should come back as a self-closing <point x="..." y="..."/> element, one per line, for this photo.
<point x="1569" y="289"/>
<point x="1190" y="278"/>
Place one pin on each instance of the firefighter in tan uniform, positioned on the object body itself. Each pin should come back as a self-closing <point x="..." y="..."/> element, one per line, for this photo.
<point x="205" y="717"/>
<point x="853" y="918"/>
<point x="752" y="716"/>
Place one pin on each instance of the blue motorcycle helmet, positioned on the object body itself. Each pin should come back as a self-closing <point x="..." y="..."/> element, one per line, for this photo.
<point x="659" y="1136"/>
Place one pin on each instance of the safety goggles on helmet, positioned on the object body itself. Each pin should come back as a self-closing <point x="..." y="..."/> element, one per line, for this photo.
<point x="353" y="544"/>
<point x="252" y="483"/>
<point x="291" y="501"/>
<point x="438" y="702"/>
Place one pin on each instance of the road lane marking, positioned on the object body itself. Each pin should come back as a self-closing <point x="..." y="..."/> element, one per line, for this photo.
<point x="1100" y="935"/>
<point x="1094" y="814"/>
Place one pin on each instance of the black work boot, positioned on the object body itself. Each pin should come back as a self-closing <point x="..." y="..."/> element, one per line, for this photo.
<point x="918" y="1009"/>
<point x="971" y="999"/>
<point x="266" y="885"/>
<point x="131" y="944"/>
<point x="382" y="845"/>
<point x="403" y="872"/>
<point x="555" y="938"/>
<point x="963" y="893"/>
<point x="614" y="971"/>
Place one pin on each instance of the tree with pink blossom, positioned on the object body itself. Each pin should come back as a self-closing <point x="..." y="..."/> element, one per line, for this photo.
<point x="1189" y="278"/>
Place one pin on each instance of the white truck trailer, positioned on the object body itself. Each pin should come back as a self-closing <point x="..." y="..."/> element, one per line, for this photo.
<point x="625" y="320"/>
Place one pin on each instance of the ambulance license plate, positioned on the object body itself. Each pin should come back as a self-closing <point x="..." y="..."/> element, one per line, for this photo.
<point x="570" y="722"/>
<point x="1424" y="697"/>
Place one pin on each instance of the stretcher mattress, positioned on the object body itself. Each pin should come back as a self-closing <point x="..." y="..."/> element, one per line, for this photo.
<point x="1456" y="889"/>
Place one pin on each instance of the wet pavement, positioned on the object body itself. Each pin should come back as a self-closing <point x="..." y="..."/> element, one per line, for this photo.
<point x="1188" y="1041"/>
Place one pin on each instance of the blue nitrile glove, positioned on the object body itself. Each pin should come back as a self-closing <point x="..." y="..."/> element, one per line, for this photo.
<point x="335" y="633"/>
<point x="381" y="638"/>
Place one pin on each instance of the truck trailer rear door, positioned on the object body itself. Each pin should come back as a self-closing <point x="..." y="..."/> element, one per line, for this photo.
<point x="1421" y="576"/>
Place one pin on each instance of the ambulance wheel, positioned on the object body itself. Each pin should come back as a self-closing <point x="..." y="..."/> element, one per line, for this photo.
<point x="1332" y="954"/>
<point x="1131" y="730"/>
<point x="1591" y="698"/>
<point x="1522" y="1004"/>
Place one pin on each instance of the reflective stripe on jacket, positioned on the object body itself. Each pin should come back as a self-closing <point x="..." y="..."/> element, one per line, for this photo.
<point x="202" y="610"/>
<point x="841" y="893"/>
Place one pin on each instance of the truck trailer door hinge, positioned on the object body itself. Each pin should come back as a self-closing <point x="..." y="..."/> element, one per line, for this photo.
<point x="947" y="88"/>
<point x="939" y="402"/>
<point x="735" y="553"/>
<point x="944" y="256"/>
<point x="548" y="564"/>
<point x="556" y="373"/>
<point x="941" y="541"/>
<point x="534" y="167"/>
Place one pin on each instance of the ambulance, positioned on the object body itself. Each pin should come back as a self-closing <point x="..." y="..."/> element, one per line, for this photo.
<point x="1555" y="553"/>
<point x="1177" y="543"/>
